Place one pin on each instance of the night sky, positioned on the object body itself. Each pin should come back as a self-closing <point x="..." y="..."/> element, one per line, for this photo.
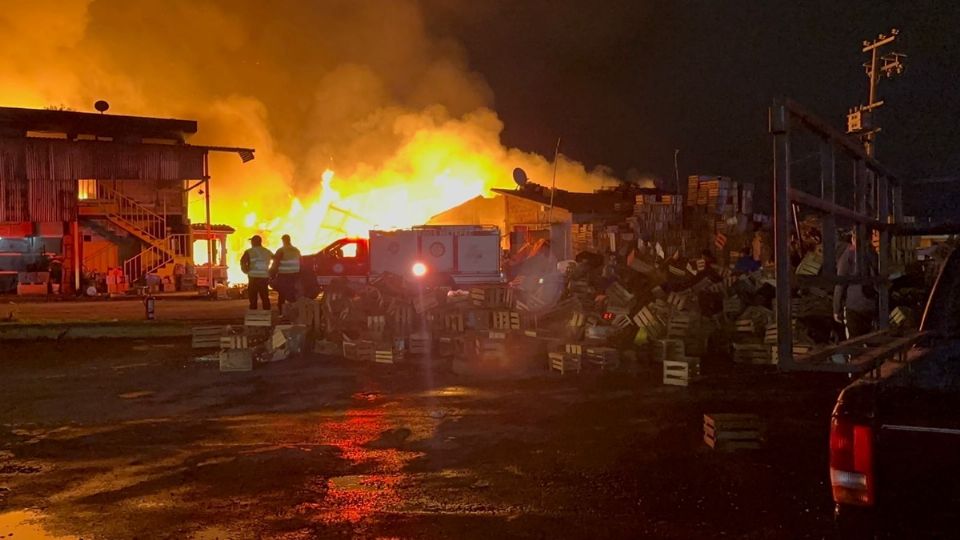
<point x="626" y="82"/>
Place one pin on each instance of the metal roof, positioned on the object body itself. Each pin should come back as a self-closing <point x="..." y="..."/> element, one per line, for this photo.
<point x="17" y="122"/>
<point x="598" y="202"/>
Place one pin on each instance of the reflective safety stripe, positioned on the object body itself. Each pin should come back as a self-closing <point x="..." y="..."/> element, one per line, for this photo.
<point x="259" y="262"/>
<point x="289" y="260"/>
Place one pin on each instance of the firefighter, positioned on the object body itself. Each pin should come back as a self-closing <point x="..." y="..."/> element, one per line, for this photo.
<point x="255" y="263"/>
<point x="286" y="268"/>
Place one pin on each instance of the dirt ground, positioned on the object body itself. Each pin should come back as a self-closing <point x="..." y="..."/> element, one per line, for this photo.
<point x="132" y="439"/>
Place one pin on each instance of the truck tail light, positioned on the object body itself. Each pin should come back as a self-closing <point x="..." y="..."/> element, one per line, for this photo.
<point x="851" y="463"/>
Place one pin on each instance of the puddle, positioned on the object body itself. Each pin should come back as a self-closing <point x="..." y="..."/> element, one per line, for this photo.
<point x="26" y="524"/>
<point x="456" y="391"/>
<point x="352" y="498"/>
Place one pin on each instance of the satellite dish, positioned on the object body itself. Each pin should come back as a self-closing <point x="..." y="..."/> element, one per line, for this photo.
<point x="101" y="106"/>
<point x="520" y="177"/>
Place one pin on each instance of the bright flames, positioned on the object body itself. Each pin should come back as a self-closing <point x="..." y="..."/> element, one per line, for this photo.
<point x="429" y="176"/>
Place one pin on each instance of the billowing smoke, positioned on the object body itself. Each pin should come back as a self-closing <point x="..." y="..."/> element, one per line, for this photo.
<point x="361" y="88"/>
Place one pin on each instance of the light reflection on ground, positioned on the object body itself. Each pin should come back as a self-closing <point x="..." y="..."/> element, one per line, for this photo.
<point x="25" y="524"/>
<point x="372" y="444"/>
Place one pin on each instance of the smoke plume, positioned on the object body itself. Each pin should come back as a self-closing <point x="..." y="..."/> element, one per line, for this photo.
<point x="361" y="88"/>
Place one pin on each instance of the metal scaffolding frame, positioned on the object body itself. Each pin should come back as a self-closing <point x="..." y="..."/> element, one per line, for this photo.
<point x="869" y="176"/>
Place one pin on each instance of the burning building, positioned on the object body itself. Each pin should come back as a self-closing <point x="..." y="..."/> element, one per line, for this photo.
<point x="571" y="221"/>
<point x="84" y="194"/>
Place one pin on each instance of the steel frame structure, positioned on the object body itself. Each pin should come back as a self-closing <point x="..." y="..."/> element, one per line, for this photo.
<point x="786" y="117"/>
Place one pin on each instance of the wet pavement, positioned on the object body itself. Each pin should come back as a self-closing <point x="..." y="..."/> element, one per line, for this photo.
<point x="131" y="439"/>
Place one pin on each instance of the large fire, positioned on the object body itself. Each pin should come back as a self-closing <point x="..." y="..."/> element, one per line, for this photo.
<point x="432" y="173"/>
<point x="381" y="96"/>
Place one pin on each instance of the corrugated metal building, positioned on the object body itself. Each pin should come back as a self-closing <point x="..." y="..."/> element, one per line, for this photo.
<point x="96" y="193"/>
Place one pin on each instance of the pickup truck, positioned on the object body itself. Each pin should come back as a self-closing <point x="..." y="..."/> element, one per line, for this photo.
<point x="895" y="434"/>
<point x="433" y="255"/>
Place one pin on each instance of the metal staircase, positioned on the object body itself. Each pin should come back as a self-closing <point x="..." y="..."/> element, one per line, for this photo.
<point x="162" y="250"/>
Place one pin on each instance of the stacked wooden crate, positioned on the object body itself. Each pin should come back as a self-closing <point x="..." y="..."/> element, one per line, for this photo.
<point x="659" y="217"/>
<point x="361" y="350"/>
<point x="388" y="354"/>
<point x="584" y="237"/>
<point x="681" y="372"/>
<point x="563" y="362"/>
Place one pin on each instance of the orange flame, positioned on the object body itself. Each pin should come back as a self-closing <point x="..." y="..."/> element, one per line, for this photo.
<point x="431" y="175"/>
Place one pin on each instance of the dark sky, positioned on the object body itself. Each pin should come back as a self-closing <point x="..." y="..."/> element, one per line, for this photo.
<point x="626" y="82"/>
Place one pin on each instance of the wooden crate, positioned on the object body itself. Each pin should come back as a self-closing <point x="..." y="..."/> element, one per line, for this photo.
<point x="258" y="317"/>
<point x="677" y="300"/>
<point x="506" y="320"/>
<point x="329" y="348"/>
<point x="751" y="353"/>
<point x="669" y="350"/>
<point x="898" y="316"/>
<point x="376" y="323"/>
<point x="420" y="343"/>
<point x="206" y="337"/>
<point x="577" y="321"/>
<point x="799" y="349"/>
<point x="563" y="362"/>
<point x="236" y="360"/>
<point x="681" y="373"/>
<point x="729" y="432"/>
<point x="732" y="305"/>
<point x="360" y="350"/>
<point x="488" y="349"/>
<point x="234" y="341"/>
<point x="425" y="302"/>
<point x="450" y="346"/>
<point x="746" y="326"/>
<point x="401" y="317"/>
<point x="387" y="355"/>
<point x="617" y="294"/>
<point x="478" y="296"/>
<point x="307" y="312"/>
<point x="679" y="325"/>
<point x="605" y="358"/>
<point x="491" y="297"/>
<point x="810" y="265"/>
<point x="453" y="322"/>
<point x="645" y="318"/>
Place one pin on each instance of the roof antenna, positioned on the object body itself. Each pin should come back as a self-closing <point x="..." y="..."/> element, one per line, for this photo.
<point x="101" y="106"/>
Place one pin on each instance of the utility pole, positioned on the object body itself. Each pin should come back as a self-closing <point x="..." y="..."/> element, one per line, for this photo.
<point x="860" y="119"/>
<point x="676" y="170"/>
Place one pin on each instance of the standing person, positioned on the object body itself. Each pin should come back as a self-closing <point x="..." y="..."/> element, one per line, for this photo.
<point x="855" y="306"/>
<point x="255" y="263"/>
<point x="286" y="267"/>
